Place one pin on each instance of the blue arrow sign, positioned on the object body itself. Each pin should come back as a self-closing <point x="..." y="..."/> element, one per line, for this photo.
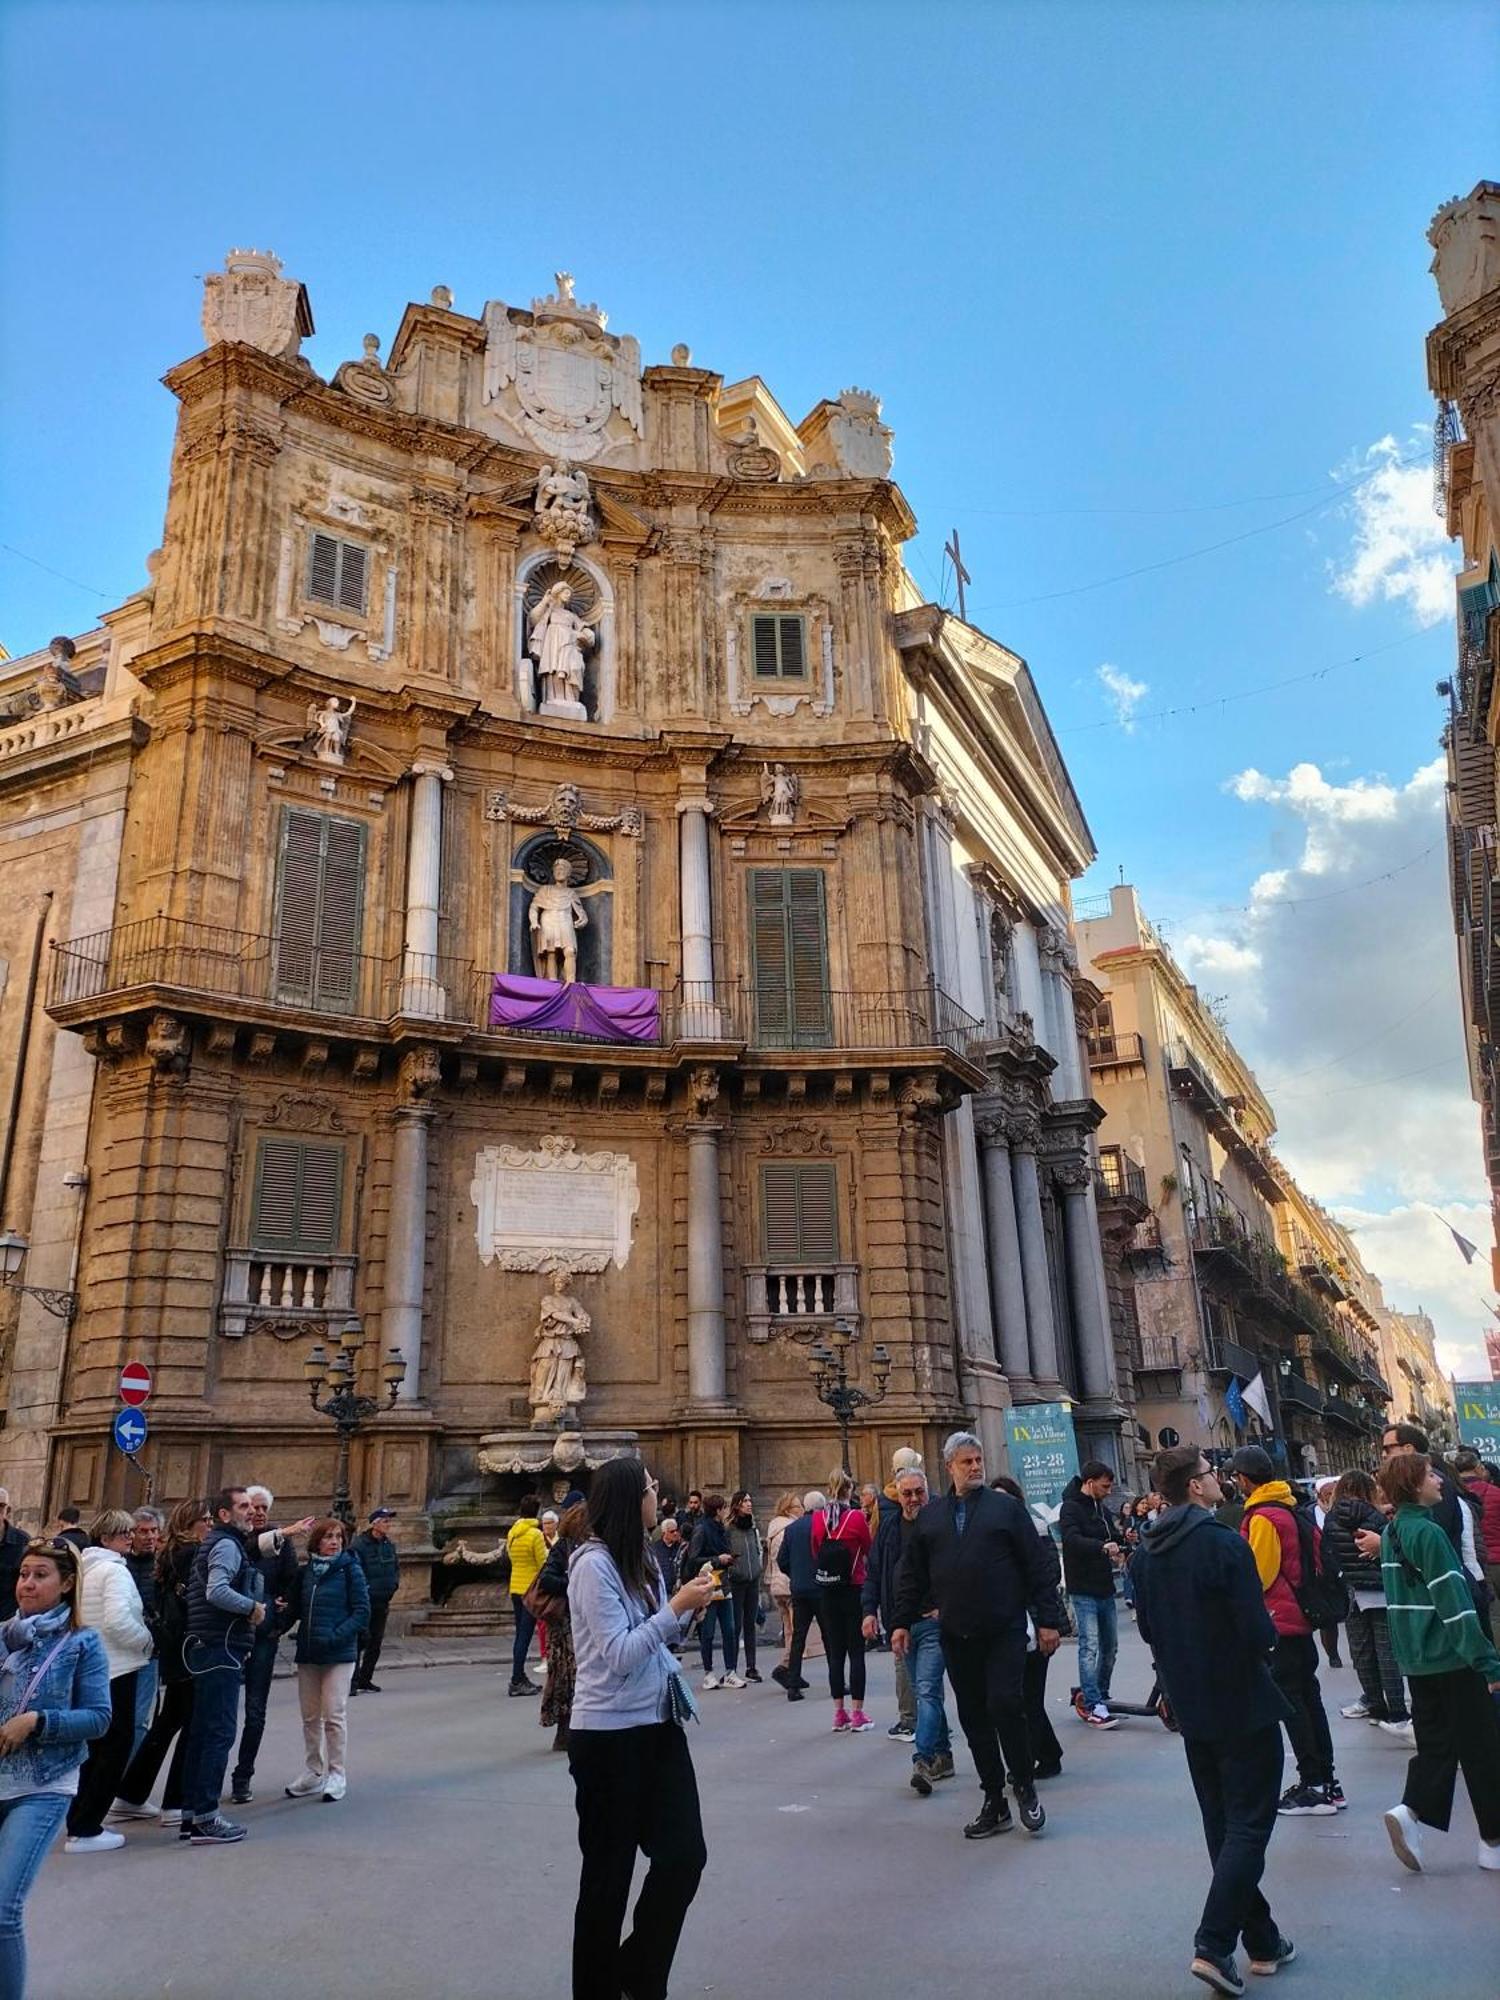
<point x="129" y="1430"/>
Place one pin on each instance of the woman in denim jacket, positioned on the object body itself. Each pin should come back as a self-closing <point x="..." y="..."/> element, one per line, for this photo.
<point x="54" y="1702"/>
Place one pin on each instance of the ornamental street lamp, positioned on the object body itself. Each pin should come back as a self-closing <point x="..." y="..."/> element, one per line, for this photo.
<point x="347" y="1409"/>
<point x="830" y="1372"/>
<point x="13" y="1250"/>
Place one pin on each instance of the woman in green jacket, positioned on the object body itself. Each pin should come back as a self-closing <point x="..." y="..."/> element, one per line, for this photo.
<point x="1450" y="1664"/>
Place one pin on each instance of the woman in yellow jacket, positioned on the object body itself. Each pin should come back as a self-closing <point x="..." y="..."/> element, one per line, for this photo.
<point x="527" y="1548"/>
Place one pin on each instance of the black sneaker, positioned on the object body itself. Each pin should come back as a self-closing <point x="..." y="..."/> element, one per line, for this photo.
<point x="921" y="1779"/>
<point x="1029" y="1806"/>
<point x="215" y="1832"/>
<point x="751" y="1674"/>
<point x="1048" y="1770"/>
<point x="1222" y="1974"/>
<point x="524" y="1687"/>
<point x="795" y="1694"/>
<point x="354" y="1689"/>
<point x="371" y="1687"/>
<point x="994" y="1817"/>
<point x="1267" y="1967"/>
<point x="781" y="1677"/>
<point x="1303" y="1801"/>
<point x="185" y="1829"/>
<point x="241" y="1795"/>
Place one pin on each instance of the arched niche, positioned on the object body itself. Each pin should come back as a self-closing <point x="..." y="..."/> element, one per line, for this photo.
<point x="593" y="879"/>
<point x="591" y="598"/>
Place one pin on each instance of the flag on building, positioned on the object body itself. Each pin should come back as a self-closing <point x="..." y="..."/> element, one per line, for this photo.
<point x="1234" y="1402"/>
<point x="1257" y="1399"/>
<point x="1467" y="1250"/>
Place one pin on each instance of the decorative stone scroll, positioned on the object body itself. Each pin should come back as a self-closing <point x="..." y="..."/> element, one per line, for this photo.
<point x="564" y="813"/>
<point x="555" y="1207"/>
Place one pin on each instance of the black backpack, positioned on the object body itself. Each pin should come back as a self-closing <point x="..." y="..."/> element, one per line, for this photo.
<point x="1322" y="1595"/>
<point x="835" y="1556"/>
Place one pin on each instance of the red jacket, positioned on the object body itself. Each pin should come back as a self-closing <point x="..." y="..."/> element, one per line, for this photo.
<point x="854" y="1529"/>
<point x="1487" y="1493"/>
<point x="1269" y="1527"/>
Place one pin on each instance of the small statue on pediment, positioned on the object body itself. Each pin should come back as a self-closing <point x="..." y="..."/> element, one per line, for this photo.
<point x="564" y="511"/>
<point x="328" y="727"/>
<point x="781" y="790"/>
<point x="56" y="685"/>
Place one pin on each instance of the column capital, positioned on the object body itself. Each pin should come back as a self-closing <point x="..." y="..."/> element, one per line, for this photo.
<point x="432" y="767"/>
<point x="699" y="804"/>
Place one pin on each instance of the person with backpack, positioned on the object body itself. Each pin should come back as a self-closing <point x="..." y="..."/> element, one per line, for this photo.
<point x="841" y="1553"/>
<point x="188" y="1524"/>
<point x="1300" y="1598"/>
<point x="1382" y="1698"/>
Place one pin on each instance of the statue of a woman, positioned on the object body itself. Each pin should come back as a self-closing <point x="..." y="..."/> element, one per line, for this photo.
<point x="557" y="640"/>
<point x="558" y="1382"/>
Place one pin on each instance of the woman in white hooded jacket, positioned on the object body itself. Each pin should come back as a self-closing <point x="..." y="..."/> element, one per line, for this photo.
<point x="109" y="1603"/>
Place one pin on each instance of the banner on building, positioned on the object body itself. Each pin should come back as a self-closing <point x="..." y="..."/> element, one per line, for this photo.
<point x="1043" y="1455"/>
<point x="1478" y="1407"/>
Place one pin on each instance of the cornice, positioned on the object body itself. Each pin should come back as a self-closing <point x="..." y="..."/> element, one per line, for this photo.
<point x="1451" y="344"/>
<point x="234" y="363"/>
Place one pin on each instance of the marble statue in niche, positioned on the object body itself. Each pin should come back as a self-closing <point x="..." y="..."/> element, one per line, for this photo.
<point x="558" y="1381"/>
<point x="557" y="639"/>
<point x="555" y="918"/>
<point x="328" y="728"/>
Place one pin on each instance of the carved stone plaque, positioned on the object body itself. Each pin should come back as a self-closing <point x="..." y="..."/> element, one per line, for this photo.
<point x="555" y="1206"/>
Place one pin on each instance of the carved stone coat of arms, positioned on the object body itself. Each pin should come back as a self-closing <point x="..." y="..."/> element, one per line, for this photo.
<point x="558" y="377"/>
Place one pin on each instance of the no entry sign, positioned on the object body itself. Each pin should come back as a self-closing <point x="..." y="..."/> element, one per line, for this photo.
<point x="135" y="1383"/>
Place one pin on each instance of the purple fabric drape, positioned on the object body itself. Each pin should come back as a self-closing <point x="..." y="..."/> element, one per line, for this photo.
<point x="602" y="1013"/>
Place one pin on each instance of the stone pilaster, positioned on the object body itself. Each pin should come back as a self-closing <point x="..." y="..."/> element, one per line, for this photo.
<point x="421" y="984"/>
<point x="1007" y="1290"/>
<point x="708" y="1366"/>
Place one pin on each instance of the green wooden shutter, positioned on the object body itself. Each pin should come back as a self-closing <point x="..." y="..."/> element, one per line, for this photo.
<point x="770" y="959"/>
<point x="337" y="572"/>
<point x="789" y="957"/>
<point x="778" y="650"/>
<point x="298" y="1197"/>
<point x="352" y="567"/>
<point x="807" y="936"/>
<point x="767" y="663"/>
<point x="319" y="910"/>
<point x="793" y="657"/>
<point x="799" y="1215"/>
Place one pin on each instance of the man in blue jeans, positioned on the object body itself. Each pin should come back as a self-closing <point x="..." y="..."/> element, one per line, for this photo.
<point x="225" y="1606"/>
<point x="932" y="1757"/>
<point x="1090" y="1549"/>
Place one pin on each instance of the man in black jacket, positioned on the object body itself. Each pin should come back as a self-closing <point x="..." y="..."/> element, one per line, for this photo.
<point x="13" y="1541"/>
<point x="376" y="1555"/>
<point x="276" y="1559"/>
<point x="976" y="1557"/>
<point x="796" y="1561"/>
<point x="932" y="1758"/>
<point x="1200" y="1608"/>
<point x="1090" y="1546"/>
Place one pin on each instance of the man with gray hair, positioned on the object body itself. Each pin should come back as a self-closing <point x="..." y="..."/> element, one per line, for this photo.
<point x="796" y="1560"/>
<point x="923" y="1665"/>
<point x="276" y="1560"/>
<point x="976" y="1558"/>
<point x="140" y="1559"/>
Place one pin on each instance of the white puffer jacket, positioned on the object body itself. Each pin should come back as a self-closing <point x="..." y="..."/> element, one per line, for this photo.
<point x="112" y="1605"/>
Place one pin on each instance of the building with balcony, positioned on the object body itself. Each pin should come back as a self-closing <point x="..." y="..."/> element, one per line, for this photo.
<point x="1421" y="1393"/>
<point x="1463" y="367"/>
<point x="1221" y="1269"/>
<point x="519" y="833"/>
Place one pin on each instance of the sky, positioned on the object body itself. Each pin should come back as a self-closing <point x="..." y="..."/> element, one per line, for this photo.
<point x="1144" y="290"/>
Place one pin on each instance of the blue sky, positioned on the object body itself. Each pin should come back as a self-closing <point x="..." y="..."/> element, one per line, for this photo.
<point x="1131" y="280"/>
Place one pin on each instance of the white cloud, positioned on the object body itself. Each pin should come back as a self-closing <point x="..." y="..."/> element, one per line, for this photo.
<point x="1125" y="694"/>
<point x="1399" y="550"/>
<point x="1341" y="981"/>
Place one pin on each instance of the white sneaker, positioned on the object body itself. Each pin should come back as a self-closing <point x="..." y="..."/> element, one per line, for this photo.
<point x="708" y="1683"/>
<point x="305" y="1787"/>
<point x="732" y="1681"/>
<point x="1405" y="1830"/>
<point x="334" y="1787"/>
<point x="1355" y="1711"/>
<point x="122" y="1810"/>
<point x="1489" y="1854"/>
<point x="93" y="1843"/>
<point x="1402" y="1731"/>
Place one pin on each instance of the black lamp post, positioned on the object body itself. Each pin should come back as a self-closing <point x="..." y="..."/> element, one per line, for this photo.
<point x="13" y="1248"/>
<point x="831" y="1384"/>
<point x="348" y="1409"/>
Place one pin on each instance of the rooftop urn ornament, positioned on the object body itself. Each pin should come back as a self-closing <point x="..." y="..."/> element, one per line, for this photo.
<point x="558" y="1381"/>
<point x="555" y="918"/>
<point x="557" y="637"/>
<point x="56" y="684"/>
<point x="328" y="728"/>
<point x="781" y="790"/>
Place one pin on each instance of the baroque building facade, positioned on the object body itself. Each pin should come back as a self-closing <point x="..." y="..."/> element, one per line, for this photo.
<point x="498" y="887"/>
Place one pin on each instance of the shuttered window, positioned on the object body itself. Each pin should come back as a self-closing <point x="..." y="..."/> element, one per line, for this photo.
<point x="789" y="958"/>
<point x="778" y="648"/>
<point x="298" y="1199"/>
<point x="336" y="572"/>
<point x="799" y="1216"/>
<point x="320" y="894"/>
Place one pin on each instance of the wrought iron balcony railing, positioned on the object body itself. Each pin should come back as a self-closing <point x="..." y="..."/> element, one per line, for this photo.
<point x="1301" y="1395"/>
<point x="1116" y="1051"/>
<point x="1121" y="1178"/>
<point x="1158" y="1351"/>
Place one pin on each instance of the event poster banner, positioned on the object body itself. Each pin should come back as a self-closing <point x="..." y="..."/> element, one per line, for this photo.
<point x="1478" y="1406"/>
<point x="1043" y="1455"/>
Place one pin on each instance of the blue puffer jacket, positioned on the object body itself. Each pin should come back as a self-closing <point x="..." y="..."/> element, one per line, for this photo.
<point x="333" y="1608"/>
<point x="72" y="1699"/>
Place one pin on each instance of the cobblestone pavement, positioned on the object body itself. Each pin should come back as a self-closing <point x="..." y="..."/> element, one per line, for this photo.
<point x="451" y="1867"/>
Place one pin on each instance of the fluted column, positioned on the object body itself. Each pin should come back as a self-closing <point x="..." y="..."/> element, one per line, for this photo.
<point x="1024" y="1131"/>
<point x="1007" y="1290"/>
<point x="406" y="1232"/>
<point x="421" y="989"/>
<point x="700" y="1015"/>
<point x="707" y="1364"/>
<point x="1086" y="1281"/>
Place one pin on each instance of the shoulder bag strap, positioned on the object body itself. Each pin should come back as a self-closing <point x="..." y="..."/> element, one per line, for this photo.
<point x="36" y="1679"/>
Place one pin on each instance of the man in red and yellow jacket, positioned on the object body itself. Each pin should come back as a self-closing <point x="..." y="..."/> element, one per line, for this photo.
<point x="1270" y="1527"/>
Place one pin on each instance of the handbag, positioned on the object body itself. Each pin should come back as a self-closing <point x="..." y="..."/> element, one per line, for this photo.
<point x="542" y="1605"/>
<point x="677" y="1703"/>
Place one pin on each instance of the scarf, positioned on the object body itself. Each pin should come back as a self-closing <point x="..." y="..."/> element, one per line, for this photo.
<point x="19" y="1635"/>
<point x="320" y="1566"/>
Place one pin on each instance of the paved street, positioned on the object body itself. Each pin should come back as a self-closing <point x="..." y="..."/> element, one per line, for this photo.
<point x="451" y="1867"/>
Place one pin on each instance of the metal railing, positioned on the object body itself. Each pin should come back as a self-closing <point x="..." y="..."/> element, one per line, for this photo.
<point x="1120" y="1177"/>
<point x="1301" y="1395"/>
<point x="1159" y="1351"/>
<point x="1115" y="1051"/>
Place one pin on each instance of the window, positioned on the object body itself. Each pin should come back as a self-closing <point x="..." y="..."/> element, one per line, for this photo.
<point x="297" y="1204"/>
<point x="778" y="648"/>
<point x="799" y="1215"/>
<point x="336" y="572"/>
<point x="320" y="887"/>
<point x="789" y="958"/>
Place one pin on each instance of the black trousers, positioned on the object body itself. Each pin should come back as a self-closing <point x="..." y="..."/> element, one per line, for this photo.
<point x="804" y="1611"/>
<point x="174" y="1711"/>
<point x="745" y="1598"/>
<point x="1294" y="1668"/>
<point x="988" y="1677"/>
<point x="367" y="1659"/>
<point x="1238" y="1783"/>
<point x="1457" y="1729"/>
<point x="105" y="1764"/>
<point x="840" y="1620"/>
<point x="1046" y="1751"/>
<point x="635" y="1791"/>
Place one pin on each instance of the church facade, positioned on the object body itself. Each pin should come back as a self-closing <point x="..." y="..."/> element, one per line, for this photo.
<point x="491" y="899"/>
